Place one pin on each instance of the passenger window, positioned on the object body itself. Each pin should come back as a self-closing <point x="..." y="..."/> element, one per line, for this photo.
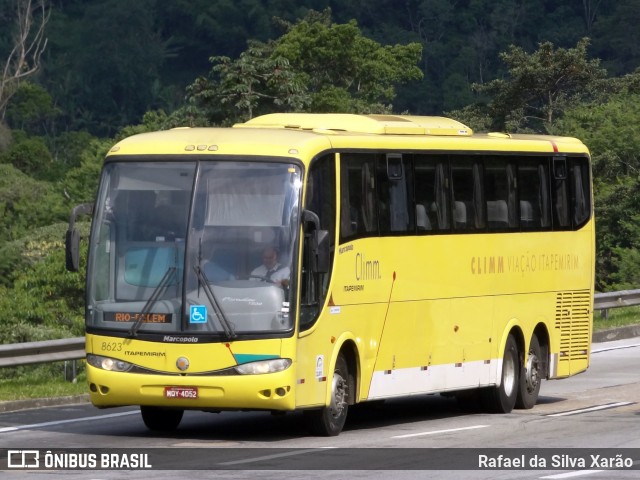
<point x="467" y="204"/>
<point x="501" y="193"/>
<point x="358" y="215"/>
<point x="533" y="179"/>
<point x="431" y="193"/>
<point x="395" y="196"/>
<point x="581" y="192"/>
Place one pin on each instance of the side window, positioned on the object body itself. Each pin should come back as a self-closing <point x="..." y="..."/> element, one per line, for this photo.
<point x="431" y="193"/>
<point x="467" y="203"/>
<point x="321" y="192"/>
<point x="581" y="191"/>
<point x="501" y="194"/>
<point x="320" y="199"/>
<point x="533" y="180"/>
<point x="395" y="195"/>
<point x="358" y="211"/>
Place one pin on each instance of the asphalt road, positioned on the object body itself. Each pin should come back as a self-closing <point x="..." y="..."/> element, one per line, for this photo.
<point x="595" y="413"/>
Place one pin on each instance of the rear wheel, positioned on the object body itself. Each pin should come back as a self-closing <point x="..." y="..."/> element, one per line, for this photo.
<point x="530" y="376"/>
<point x="161" y="419"/>
<point x="329" y="421"/>
<point x="502" y="398"/>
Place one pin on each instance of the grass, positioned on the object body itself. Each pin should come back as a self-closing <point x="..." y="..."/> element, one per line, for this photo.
<point x="617" y="317"/>
<point x="49" y="381"/>
<point x="25" y="383"/>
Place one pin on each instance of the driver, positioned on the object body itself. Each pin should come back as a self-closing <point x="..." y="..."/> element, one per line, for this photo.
<point x="271" y="270"/>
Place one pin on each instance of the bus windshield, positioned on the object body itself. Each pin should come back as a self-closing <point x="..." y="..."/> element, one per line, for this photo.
<point x="194" y="248"/>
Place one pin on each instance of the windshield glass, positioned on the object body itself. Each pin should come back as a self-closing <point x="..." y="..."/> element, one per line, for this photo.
<point x="193" y="247"/>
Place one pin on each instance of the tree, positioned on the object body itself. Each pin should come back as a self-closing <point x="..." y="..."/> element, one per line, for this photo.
<point x="609" y="129"/>
<point x="29" y="43"/>
<point x="541" y="85"/>
<point x="257" y="82"/>
<point x="102" y="66"/>
<point x="43" y="300"/>
<point x="26" y="203"/>
<point x="315" y="66"/>
<point x="343" y="70"/>
<point x="31" y="109"/>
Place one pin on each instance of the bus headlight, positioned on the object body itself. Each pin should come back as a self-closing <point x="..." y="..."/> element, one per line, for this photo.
<point x="107" y="363"/>
<point x="264" y="366"/>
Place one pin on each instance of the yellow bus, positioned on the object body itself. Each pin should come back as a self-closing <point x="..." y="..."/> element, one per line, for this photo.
<point x="316" y="261"/>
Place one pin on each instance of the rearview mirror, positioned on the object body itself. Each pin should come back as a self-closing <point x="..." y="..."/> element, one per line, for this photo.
<point x="72" y="237"/>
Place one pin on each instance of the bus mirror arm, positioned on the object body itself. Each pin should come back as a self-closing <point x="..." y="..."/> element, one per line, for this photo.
<point x="72" y="237"/>
<point x="310" y="220"/>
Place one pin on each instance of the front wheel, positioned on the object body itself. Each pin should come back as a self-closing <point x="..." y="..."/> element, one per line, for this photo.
<point x="329" y="421"/>
<point x="502" y="398"/>
<point x="161" y="419"/>
<point x="530" y="376"/>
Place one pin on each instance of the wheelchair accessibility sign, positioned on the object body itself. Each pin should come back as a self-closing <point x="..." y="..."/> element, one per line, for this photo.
<point x="198" y="314"/>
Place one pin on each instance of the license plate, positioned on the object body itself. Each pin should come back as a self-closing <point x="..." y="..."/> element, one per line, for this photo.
<point x="181" y="392"/>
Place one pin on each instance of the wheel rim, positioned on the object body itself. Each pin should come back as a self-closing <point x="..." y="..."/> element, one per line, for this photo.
<point x="509" y="375"/>
<point x="532" y="375"/>
<point x="338" y="395"/>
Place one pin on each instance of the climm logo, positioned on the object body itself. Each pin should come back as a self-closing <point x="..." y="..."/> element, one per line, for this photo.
<point x="367" y="269"/>
<point x="525" y="263"/>
<point x="486" y="265"/>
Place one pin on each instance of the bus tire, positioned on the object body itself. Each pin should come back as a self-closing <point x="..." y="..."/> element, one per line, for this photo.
<point x="161" y="419"/>
<point x="502" y="398"/>
<point x="530" y="376"/>
<point x="329" y="421"/>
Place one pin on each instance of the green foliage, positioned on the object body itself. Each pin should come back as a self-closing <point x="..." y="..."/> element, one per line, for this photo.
<point x="626" y="264"/>
<point x="103" y="61"/>
<point x="152" y="121"/>
<point x="105" y="66"/>
<point x="617" y="208"/>
<point x="42" y="381"/>
<point x="343" y="70"/>
<point x="541" y="85"/>
<point x="45" y="301"/>
<point x="26" y="203"/>
<point x="609" y="129"/>
<point x="5" y="137"/>
<point x="81" y="183"/>
<point x="31" y="109"/>
<point x="257" y="82"/>
<point x="68" y="149"/>
<point x="11" y="263"/>
<point x="31" y="156"/>
<point x="316" y="66"/>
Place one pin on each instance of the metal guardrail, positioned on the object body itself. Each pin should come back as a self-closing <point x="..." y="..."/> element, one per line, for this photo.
<point x="15" y="354"/>
<point x="623" y="298"/>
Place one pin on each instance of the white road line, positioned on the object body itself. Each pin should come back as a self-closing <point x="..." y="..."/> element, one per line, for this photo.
<point x="573" y="474"/>
<point x="590" y="409"/>
<point x="434" y="432"/>
<point x="620" y="347"/>
<point x="275" y="455"/>
<point x="60" y="422"/>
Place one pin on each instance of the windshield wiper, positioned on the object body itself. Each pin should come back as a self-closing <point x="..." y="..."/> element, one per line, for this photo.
<point x="157" y="292"/>
<point x="226" y="325"/>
